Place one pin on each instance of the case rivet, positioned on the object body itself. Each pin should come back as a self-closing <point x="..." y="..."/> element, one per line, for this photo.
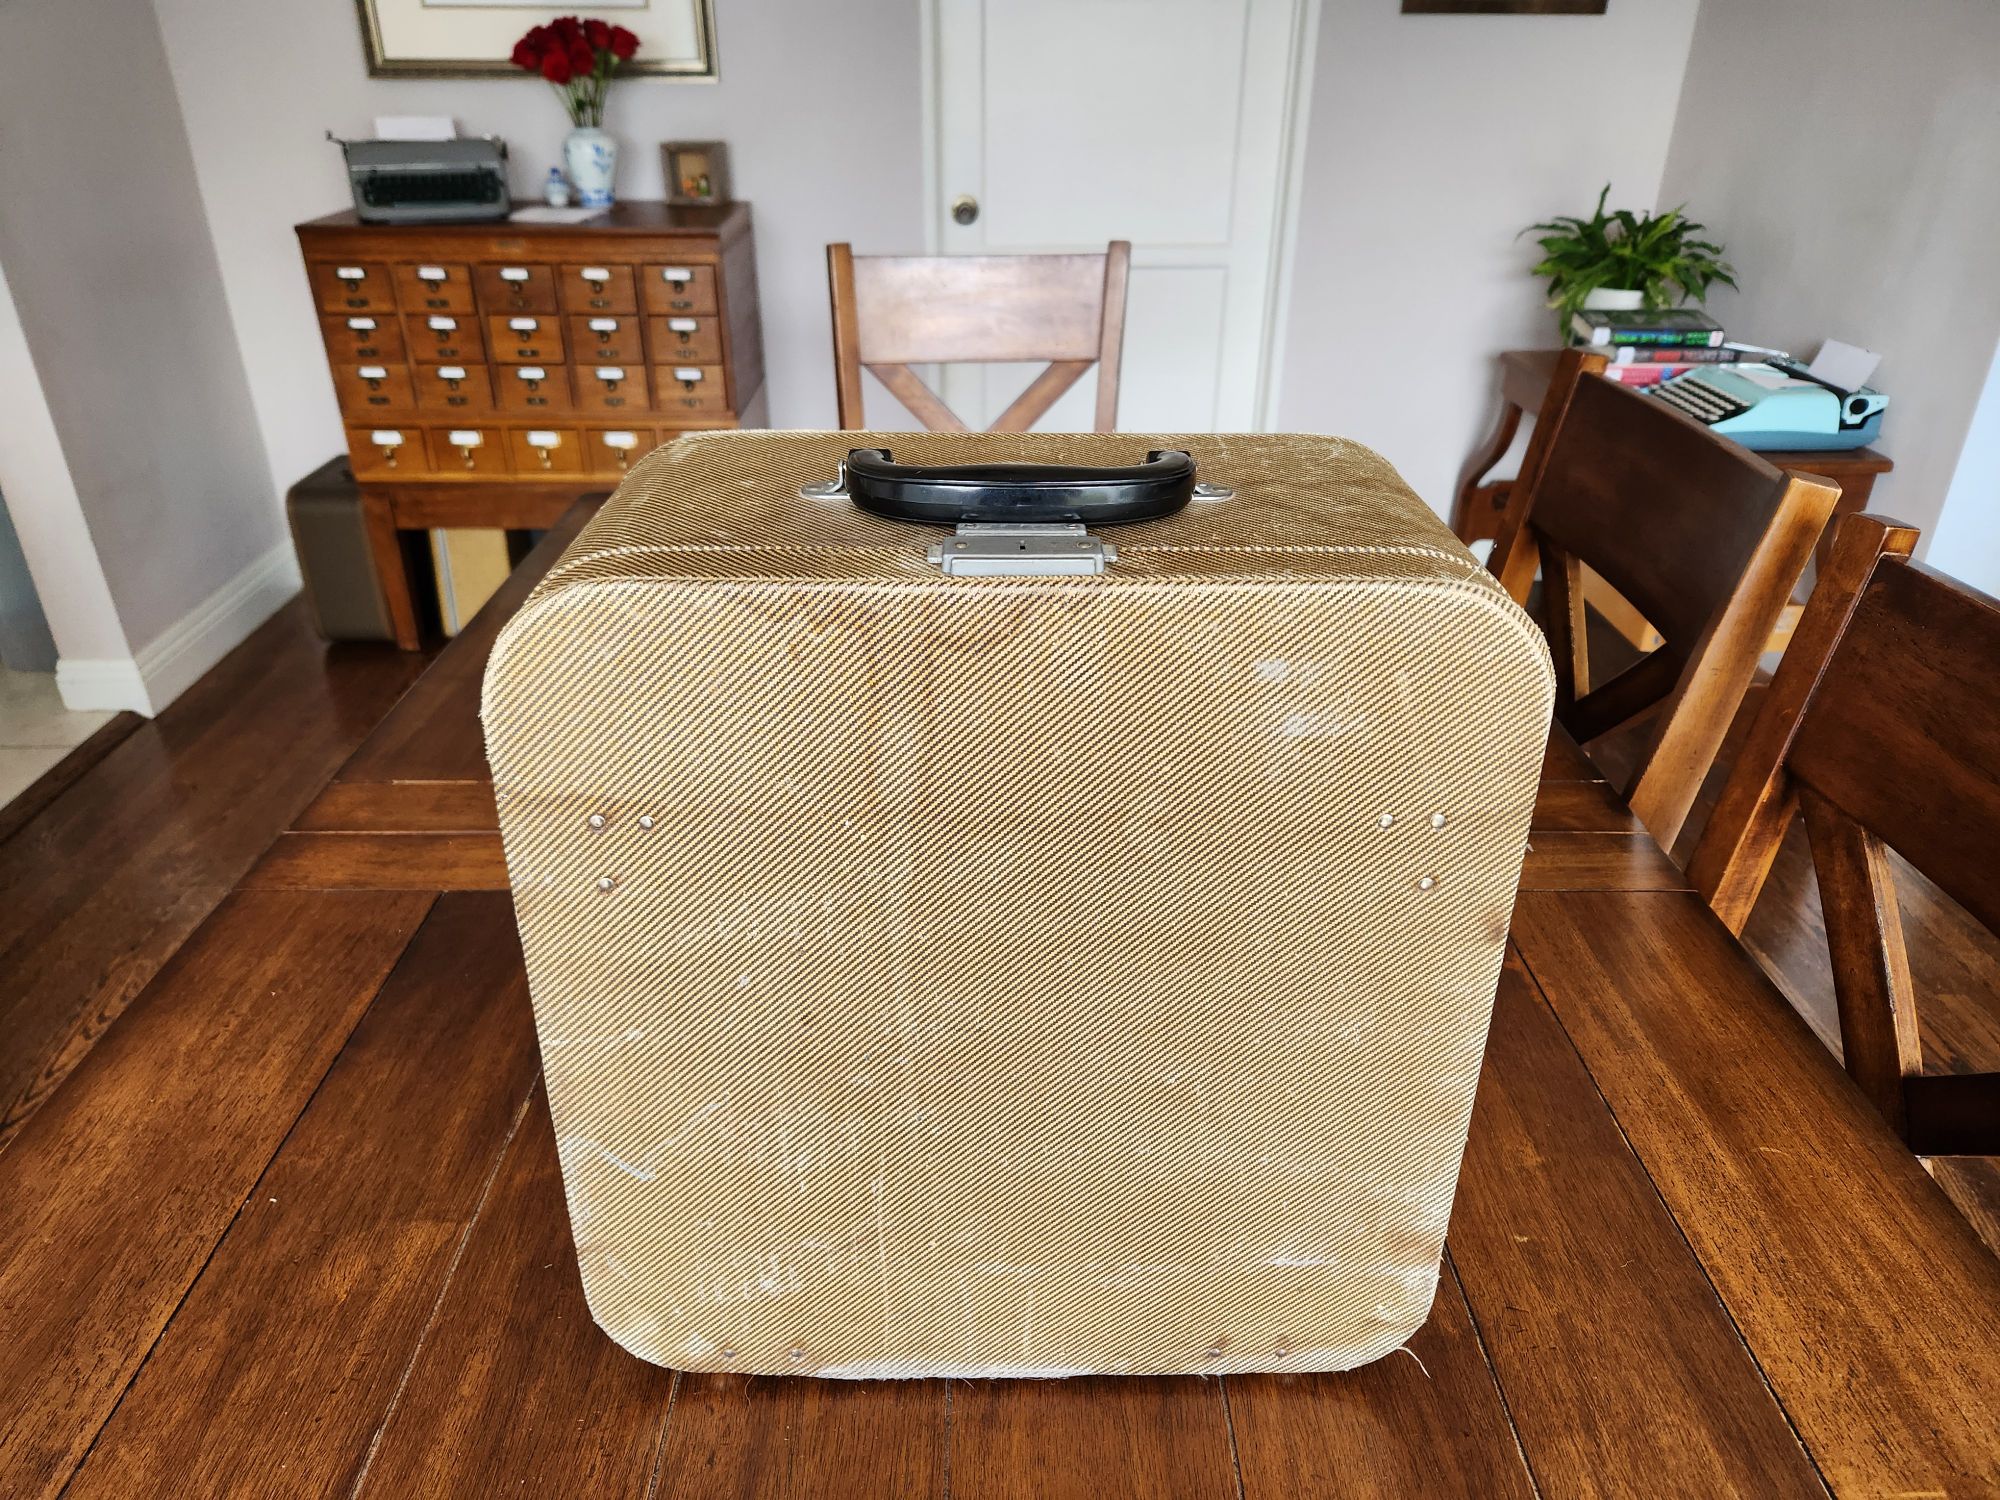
<point x="729" y="1354"/>
<point x="1215" y="1351"/>
<point x="798" y="1355"/>
<point x="1425" y="882"/>
<point x="605" y="882"/>
<point x="1437" y="820"/>
<point x="595" y="820"/>
<point x="1387" y="820"/>
<point x="645" y="820"/>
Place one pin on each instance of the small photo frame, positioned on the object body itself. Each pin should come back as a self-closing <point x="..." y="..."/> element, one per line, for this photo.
<point x="697" y="172"/>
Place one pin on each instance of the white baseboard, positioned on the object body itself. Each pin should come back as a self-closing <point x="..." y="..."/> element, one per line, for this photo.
<point x="199" y="639"/>
<point x="168" y="665"/>
<point x="104" y="682"/>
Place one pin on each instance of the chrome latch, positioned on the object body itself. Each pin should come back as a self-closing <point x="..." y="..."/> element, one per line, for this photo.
<point x="999" y="550"/>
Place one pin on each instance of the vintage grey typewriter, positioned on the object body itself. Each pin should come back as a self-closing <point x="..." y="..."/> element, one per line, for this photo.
<point x="423" y="182"/>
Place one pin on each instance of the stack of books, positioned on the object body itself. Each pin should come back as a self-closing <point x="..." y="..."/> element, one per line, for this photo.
<point x="1646" y="348"/>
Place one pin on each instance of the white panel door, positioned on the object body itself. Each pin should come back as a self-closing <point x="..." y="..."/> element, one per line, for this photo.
<point x="1164" y="122"/>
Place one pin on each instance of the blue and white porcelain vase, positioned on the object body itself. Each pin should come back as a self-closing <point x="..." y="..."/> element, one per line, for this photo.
<point x="590" y="156"/>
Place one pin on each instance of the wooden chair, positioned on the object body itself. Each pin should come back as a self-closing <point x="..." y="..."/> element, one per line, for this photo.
<point x="1705" y="540"/>
<point x="1883" y="725"/>
<point x="894" y="311"/>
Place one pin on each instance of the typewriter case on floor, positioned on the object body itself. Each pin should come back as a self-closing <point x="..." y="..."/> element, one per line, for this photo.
<point x="943" y="968"/>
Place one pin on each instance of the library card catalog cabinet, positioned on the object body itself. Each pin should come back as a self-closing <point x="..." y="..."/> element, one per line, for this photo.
<point x="491" y="374"/>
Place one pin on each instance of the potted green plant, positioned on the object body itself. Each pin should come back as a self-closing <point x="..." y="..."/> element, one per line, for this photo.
<point x="1622" y="261"/>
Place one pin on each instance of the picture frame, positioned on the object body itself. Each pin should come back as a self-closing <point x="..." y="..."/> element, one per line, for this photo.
<point x="689" y="165"/>
<point x="473" y="38"/>
<point x="1504" y="7"/>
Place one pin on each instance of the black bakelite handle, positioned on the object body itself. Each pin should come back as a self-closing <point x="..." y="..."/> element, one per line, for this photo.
<point x="949" y="495"/>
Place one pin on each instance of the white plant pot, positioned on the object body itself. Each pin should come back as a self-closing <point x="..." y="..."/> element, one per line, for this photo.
<point x="1613" y="299"/>
<point x="590" y="156"/>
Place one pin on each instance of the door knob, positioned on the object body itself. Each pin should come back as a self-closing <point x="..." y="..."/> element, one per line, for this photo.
<point x="964" y="208"/>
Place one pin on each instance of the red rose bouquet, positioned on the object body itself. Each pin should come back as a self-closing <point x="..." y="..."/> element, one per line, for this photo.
<point x="578" y="57"/>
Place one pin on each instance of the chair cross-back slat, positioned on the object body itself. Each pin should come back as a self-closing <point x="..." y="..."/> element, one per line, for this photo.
<point x="891" y="312"/>
<point x="1883" y="726"/>
<point x="1704" y="539"/>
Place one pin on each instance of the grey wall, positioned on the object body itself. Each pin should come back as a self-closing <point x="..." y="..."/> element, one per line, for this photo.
<point x="1849" y="153"/>
<point x="1433" y="141"/>
<point x="820" y="102"/>
<point x="109" y="259"/>
<point x="25" y="642"/>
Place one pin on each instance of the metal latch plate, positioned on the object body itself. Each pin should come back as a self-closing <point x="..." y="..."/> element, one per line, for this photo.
<point x="990" y="550"/>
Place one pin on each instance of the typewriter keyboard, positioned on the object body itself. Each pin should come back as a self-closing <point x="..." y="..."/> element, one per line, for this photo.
<point x="1700" y="400"/>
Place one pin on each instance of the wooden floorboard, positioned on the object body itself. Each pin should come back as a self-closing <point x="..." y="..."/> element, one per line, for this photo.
<point x="269" y="1381"/>
<point x="747" y="1439"/>
<point x="107" y="881"/>
<point x="114" y="1194"/>
<point x="1102" y="1437"/>
<point x="536" y="1401"/>
<point x="65" y="773"/>
<point x="1427" y="1420"/>
<point x="1577" y="1275"/>
<point x="1864" y="1330"/>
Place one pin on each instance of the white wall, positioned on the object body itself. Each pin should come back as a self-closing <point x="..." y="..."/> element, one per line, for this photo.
<point x="820" y="103"/>
<point x="47" y="515"/>
<point x="1848" y="152"/>
<point x="1433" y="141"/>
<point x="1967" y="542"/>
<point x="118" y="291"/>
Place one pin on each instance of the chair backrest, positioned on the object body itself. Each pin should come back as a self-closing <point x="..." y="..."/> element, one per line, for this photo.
<point x="1883" y="725"/>
<point x="1702" y="537"/>
<point x="894" y="311"/>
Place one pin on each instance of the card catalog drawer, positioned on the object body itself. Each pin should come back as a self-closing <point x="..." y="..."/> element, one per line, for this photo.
<point x="680" y="289"/>
<point x="613" y="450"/>
<point x="688" y="340"/>
<point x="363" y="338"/>
<point x="534" y="390"/>
<point x="352" y="286"/>
<point x="601" y="338"/>
<point x="444" y="338"/>
<point x="469" y="450"/>
<point x="454" y="390"/>
<point x="433" y="286"/>
<point x="525" y="339"/>
<point x="553" y="450"/>
<point x="368" y="387"/>
<point x="387" y="452"/>
<point x="598" y="288"/>
<point x="690" y="388"/>
<point x="611" y="390"/>
<point x="515" y="288"/>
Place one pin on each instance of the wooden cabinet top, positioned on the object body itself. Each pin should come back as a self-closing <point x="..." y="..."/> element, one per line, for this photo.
<point x="643" y="219"/>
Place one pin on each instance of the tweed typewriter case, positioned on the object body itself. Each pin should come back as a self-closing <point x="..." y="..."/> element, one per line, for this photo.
<point x="1013" y="975"/>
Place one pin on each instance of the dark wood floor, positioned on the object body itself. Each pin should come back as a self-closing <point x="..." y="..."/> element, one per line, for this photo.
<point x="1954" y="962"/>
<point x="100" y="887"/>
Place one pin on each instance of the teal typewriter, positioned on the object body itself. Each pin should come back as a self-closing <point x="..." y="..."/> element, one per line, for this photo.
<point x="1777" y="407"/>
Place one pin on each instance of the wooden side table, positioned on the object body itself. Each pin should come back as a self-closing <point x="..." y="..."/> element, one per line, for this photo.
<point x="492" y="374"/>
<point x="1524" y="379"/>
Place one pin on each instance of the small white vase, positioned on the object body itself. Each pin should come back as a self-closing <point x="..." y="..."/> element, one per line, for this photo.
<point x="590" y="156"/>
<point x="1614" y="299"/>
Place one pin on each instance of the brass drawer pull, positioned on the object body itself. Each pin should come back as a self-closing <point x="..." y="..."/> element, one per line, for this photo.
<point x="544" y="443"/>
<point x="451" y="375"/>
<point x="388" y="440"/>
<point x="374" y="375"/>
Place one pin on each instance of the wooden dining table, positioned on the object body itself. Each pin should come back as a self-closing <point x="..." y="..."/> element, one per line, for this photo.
<point x="296" y="1226"/>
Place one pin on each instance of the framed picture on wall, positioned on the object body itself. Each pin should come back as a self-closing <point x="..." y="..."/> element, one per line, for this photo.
<point x="472" y="38"/>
